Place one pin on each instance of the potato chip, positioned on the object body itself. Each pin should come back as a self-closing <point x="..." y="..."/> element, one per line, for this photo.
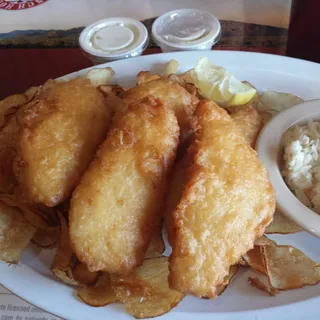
<point x="64" y="275"/>
<point x="15" y="233"/>
<point x="150" y="306"/>
<point x="255" y="259"/>
<point x="171" y="67"/>
<point x="83" y="276"/>
<point x="289" y="268"/>
<point x="186" y="77"/>
<point x="47" y="213"/>
<point x="148" y="276"/>
<point x="100" y="295"/>
<point x="31" y="214"/>
<point x="285" y="266"/>
<point x="280" y="224"/>
<point x="48" y="238"/>
<point x="156" y="246"/>
<point x="257" y="283"/>
<point x="254" y="102"/>
<point x="64" y="259"/>
<point x="146" y="76"/>
<point x="146" y="292"/>
<point x="227" y="279"/>
<point x="65" y="264"/>
<point x="100" y="76"/>
<point x="263" y="241"/>
<point x="271" y="103"/>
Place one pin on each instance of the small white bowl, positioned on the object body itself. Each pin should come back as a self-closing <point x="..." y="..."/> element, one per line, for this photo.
<point x="270" y="152"/>
<point x="185" y="30"/>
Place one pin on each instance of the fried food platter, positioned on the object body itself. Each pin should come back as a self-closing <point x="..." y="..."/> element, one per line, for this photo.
<point x="31" y="278"/>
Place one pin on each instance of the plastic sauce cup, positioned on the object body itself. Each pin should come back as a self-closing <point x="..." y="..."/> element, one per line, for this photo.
<point x="186" y="29"/>
<point x="113" y="39"/>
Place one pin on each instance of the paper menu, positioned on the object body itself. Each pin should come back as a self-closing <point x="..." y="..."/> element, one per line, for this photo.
<point x="14" y="308"/>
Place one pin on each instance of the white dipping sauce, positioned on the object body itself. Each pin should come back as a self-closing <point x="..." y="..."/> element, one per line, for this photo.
<point x="186" y="29"/>
<point x="112" y="38"/>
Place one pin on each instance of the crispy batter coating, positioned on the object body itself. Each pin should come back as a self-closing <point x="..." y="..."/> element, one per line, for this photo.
<point x="249" y="121"/>
<point x="227" y="203"/>
<point x="172" y="95"/>
<point x="117" y="205"/>
<point x="9" y="137"/>
<point x="61" y="129"/>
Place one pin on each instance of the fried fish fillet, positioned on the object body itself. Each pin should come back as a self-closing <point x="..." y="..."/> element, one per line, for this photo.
<point x="61" y="129"/>
<point x="117" y="204"/>
<point x="249" y="121"/>
<point x="9" y="137"/>
<point x="172" y="95"/>
<point x="227" y="203"/>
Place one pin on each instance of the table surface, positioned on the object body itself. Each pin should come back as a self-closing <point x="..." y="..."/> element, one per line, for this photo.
<point x="18" y="64"/>
<point x="46" y="43"/>
<point x="46" y="46"/>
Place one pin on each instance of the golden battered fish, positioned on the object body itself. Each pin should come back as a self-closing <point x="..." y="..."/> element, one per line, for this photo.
<point x="172" y="95"/>
<point x="61" y="129"/>
<point x="9" y="137"/>
<point x="227" y="203"/>
<point x="117" y="204"/>
<point x="249" y="121"/>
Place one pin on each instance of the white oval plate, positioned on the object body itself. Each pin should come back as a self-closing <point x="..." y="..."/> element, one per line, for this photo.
<point x="32" y="280"/>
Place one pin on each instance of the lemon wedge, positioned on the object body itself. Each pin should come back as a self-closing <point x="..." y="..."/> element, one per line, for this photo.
<point x="218" y="84"/>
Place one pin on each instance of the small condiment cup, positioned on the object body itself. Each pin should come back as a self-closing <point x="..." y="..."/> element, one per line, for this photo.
<point x="186" y="29"/>
<point x="113" y="39"/>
